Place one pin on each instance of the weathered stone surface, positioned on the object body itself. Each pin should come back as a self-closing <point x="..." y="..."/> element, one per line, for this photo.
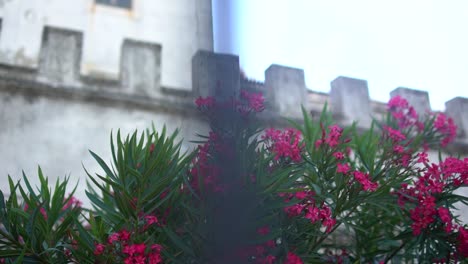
<point x="60" y="56"/>
<point x="215" y="75"/>
<point x="285" y="90"/>
<point x="181" y="27"/>
<point x="141" y="68"/>
<point x="56" y="134"/>
<point x="349" y="99"/>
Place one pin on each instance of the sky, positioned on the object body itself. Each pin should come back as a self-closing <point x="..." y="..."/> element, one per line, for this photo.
<point x="418" y="44"/>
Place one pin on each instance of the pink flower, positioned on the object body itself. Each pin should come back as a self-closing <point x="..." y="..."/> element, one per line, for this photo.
<point x="156" y="247"/>
<point x="444" y="215"/>
<point x="151" y="219"/>
<point x="364" y="180"/>
<point x="292" y="258"/>
<point x="206" y="102"/>
<point x="124" y="235"/>
<point x="113" y="237"/>
<point x="154" y="258"/>
<point x="394" y="134"/>
<point x="329" y="223"/>
<point x="338" y="155"/>
<point x="397" y="102"/>
<point x="140" y="248"/>
<point x="136" y="249"/>
<point x="301" y="195"/>
<point x="446" y="127"/>
<point x="334" y="135"/>
<point x="255" y="100"/>
<point x="404" y="113"/>
<point x="398" y="149"/>
<point x="342" y="168"/>
<point x="422" y="157"/>
<point x="285" y="144"/>
<point x="423" y="214"/>
<point x="99" y="249"/>
<point x="462" y="248"/>
<point x="139" y="260"/>
<point x="294" y="210"/>
<point x="72" y="203"/>
<point x="313" y="214"/>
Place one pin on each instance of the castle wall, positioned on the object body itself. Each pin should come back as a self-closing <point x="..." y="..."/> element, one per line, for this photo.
<point x="52" y="114"/>
<point x="56" y="133"/>
<point x="180" y="26"/>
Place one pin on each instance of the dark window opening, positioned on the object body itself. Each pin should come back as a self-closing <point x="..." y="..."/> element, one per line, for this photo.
<point x="117" y="3"/>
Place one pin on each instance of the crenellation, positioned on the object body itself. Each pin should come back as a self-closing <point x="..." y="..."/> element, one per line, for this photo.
<point x="416" y="98"/>
<point x="60" y="57"/>
<point x="285" y="90"/>
<point x="58" y="110"/>
<point x="139" y="85"/>
<point x="349" y="101"/>
<point x="140" y="68"/>
<point x="215" y="74"/>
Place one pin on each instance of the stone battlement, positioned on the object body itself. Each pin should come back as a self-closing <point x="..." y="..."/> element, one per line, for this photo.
<point x="52" y="113"/>
<point x="139" y="84"/>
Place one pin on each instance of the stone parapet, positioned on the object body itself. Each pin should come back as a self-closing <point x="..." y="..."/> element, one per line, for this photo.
<point x="57" y="74"/>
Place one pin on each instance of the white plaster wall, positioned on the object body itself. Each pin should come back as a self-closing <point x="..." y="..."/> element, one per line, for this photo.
<point x="57" y="134"/>
<point x="181" y="26"/>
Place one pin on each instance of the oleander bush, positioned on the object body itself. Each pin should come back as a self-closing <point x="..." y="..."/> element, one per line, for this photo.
<point x="311" y="193"/>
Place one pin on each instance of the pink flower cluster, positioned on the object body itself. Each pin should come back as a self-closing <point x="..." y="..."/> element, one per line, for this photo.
<point x="121" y="246"/>
<point x="332" y="139"/>
<point x="307" y="207"/>
<point x="364" y="180"/>
<point x="395" y="135"/>
<point x="406" y="117"/>
<point x="421" y="195"/>
<point x="462" y="247"/>
<point x="285" y="144"/>
<point x="255" y="101"/>
<point x="202" y="170"/>
<point x="404" y="113"/>
<point x="445" y="126"/>
<point x="292" y="258"/>
<point x="361" y="177"/>
<point x="205" y="102"/>
<point x="72" y="203"/>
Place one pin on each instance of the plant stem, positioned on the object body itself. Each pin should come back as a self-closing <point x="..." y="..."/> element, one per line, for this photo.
<point x="389" y="257"/>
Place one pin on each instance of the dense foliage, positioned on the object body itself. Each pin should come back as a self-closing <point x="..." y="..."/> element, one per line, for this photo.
<point x="312" y="193"/>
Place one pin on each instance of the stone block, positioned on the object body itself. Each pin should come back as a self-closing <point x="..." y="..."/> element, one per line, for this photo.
<point x="416" y="98"/>
<point x="285" y="90"/>
<point x="349" y="101"/>
<point x="215" y="75"/>
<point x="457" y="109"/>
<point x="60" y="56"/>
<point x="140" y="68"/>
